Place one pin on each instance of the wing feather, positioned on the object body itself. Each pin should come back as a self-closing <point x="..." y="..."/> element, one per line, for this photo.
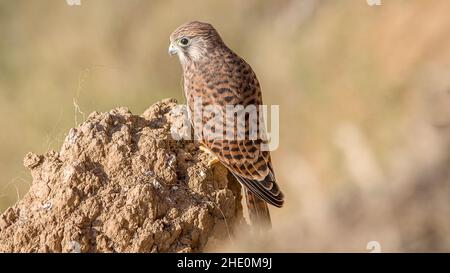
<point x="244" y="158"/>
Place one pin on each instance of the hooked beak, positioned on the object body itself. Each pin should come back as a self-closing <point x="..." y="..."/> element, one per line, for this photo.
<point x="172" y="49"/>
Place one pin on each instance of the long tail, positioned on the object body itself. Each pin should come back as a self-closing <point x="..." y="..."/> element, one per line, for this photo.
<point x="258" y="211"/>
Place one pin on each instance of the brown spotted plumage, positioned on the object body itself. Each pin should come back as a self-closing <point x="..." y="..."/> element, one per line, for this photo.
<point x="219" y="77"/>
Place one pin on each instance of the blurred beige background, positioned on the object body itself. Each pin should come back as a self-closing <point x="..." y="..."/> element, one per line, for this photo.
<point x="364" y="95"/>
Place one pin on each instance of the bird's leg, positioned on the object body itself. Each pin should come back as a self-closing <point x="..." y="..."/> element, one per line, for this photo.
<point x="214" y="159"/>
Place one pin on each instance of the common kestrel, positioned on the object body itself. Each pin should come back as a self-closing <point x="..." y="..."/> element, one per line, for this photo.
<point x="216" y="76"/>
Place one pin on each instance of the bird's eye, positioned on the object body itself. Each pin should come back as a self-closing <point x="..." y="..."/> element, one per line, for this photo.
<point x="183" y="41"/>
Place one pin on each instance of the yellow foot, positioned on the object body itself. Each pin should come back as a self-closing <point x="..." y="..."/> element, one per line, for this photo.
<point x="213" y="159"/>
<point x="213" y="162"/>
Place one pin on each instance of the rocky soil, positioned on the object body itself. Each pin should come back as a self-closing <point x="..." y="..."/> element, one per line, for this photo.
<point x="121" y="183"/>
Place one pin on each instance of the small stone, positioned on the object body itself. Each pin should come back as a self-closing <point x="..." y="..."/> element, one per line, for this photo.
<point x="68" y="174"/>
<point x="74" y="247"/>
<point x="72" y="136"/>
<point x="156" y="184"/>
<point x="31" y="160"/>
<point x="47" y="205"/>
<point x="3" y="224"/>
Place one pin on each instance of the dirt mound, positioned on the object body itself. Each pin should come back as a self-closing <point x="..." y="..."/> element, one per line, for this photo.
<point x="122" y="183"/>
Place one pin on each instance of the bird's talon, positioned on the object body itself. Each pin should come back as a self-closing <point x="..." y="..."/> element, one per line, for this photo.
<point x="204" y="149"/>
<point x="214" y="159"/>
<point x="213" y="162"/>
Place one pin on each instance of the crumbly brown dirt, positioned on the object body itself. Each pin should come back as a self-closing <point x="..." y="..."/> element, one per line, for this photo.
<point x="121" y="183"/>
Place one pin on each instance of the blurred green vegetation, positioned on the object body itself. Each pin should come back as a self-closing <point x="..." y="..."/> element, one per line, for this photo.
<point x="330" y="65"/>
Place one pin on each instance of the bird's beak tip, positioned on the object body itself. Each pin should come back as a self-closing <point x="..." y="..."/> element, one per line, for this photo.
<point x="172" y="50"/>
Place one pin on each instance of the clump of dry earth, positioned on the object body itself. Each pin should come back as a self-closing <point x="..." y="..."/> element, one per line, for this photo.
<point x="121" y="183"/>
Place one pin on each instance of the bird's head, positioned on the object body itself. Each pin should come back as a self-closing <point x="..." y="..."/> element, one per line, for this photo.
<point x="194" y="41"/>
